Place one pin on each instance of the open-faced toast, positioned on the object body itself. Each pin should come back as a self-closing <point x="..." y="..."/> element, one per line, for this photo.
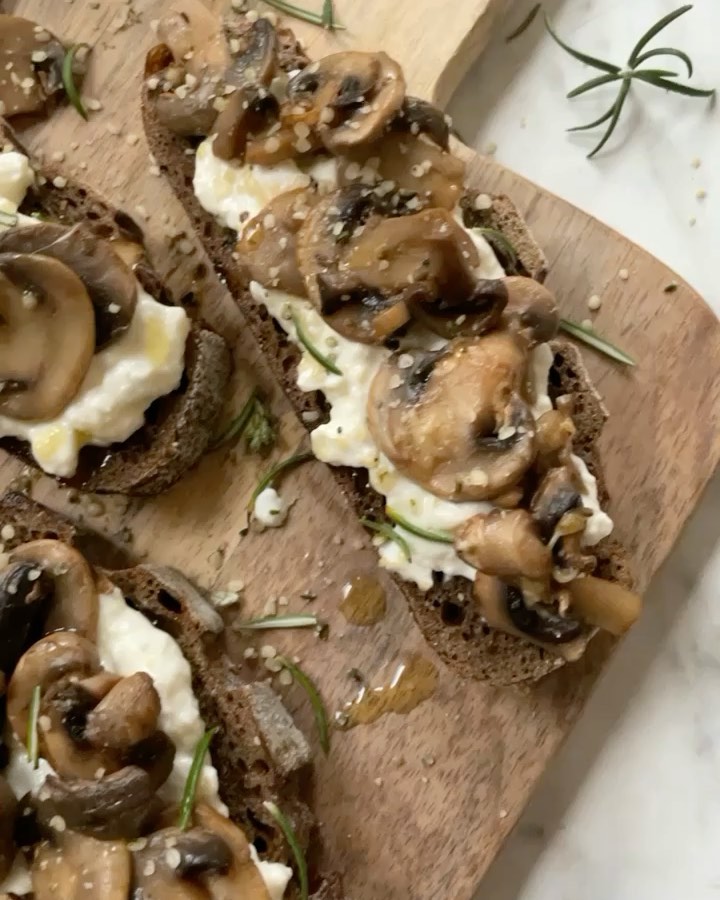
<point x="259" y="754"/>
<point x="177" y="426"/>
<point x="447" y="614"/>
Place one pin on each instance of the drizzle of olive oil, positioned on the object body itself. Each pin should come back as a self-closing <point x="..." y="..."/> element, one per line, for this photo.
<point x="364" y="600"/>
<point x="413" y="681"/>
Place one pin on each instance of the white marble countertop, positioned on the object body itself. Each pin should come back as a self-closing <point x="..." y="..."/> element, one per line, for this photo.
<point x="630" y="809"/>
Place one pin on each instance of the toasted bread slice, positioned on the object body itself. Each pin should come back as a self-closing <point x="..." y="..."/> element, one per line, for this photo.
<point x="462" y="639"/>
<point x="178" y="426"/>
<point x="258" y="751"/>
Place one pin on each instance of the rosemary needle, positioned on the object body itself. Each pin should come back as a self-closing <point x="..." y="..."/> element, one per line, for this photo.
<point x="596" y="341"/>
<point x="292" y="840"/>
<point x="68" y="79"/>
<point x="306" y="15"/>
<point x="525" y="24"/>
<point x="316" y="701"/>
<point x="269" y="477"/>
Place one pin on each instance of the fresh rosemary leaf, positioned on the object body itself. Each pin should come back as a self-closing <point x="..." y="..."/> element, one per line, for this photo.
<point x="667" y="51"/>
<point x="593" y="83"/>
<point x="388" y="532"/>
<point x="597" y="122"/>
<point x="673" y="86"/>
<point x="291" y="620"/>
<point x="498" y="239"/>
<point x="316" y="701"/>
<point x="525" y="24"/>
<point x="311" y="348"/>
<point x="260" y="432"/>
<point x="237" y="425"/>
<point x="32" y="742"/>
<point x="305" y="15"/>
<point x="328" y="15"/>
<point x="270" y="476"/>
<point x="581" y="57"/>
<point x="191" y="782"/>
<point x="655" y="30"/>
<point x="440" y="537"/>
<point x="617" y="110"/>
<point x="68" y="80"/>
<point x="596" y="341"/>
<point x="293" y="843"/>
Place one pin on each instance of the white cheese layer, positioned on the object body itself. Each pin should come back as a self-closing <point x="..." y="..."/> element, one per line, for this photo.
<point x="16" y="176"/>
<point x="127" y="642"/>
<point x="270" y="509"/>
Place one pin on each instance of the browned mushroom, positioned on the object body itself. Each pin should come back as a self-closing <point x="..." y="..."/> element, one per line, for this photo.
<point x="420" y="117"/>
<point x="244" y="113"/>
<point x="455" y="420"/>
<point x="78" y="867"/>
<point x="75" y="601"/>
<point x="25" y="595"/>
<point x="47" y="336"/>
<point x="504" y="543"/>
<point x="31" y="62"/>
<point x="126" y="715"/>
<point x="555" y="431"/>
<point x="531" y="310"/>
<point x="604" y="604"/>
<point x="110" y="283"/>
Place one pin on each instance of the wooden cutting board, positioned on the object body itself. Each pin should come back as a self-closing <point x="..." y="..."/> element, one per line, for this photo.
<point x="414" y="806"/>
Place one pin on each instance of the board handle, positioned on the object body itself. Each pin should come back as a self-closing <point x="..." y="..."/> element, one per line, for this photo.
<point x="434" y="41"/>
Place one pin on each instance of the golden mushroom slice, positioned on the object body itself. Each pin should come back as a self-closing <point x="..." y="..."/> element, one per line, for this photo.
<point x="75" y="601"/>
<point x="455" y="420"/>
<point x="126" y="715"/>
<point x="505" y="543"/>
<point x="531" y="310"/>
<point x="417" y="116"/>
<point x="78" y="867"/>
<point x="605" y="604"/>
<point x="31" y="62"/>
<point x="47" y="336"/>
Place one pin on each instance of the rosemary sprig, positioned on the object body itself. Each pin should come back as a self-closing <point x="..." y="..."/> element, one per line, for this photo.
<point x="32" y="742"/>
<point x="324" y="361"/>
<point x="305" y="15"/>
<point x="254" y="421"/>
<point x="597" y="342"/>
<point x="388" y="532"/>
<point x="291" y="620"/>
<point x="68" y="80"/>
<point x="660" y="78"/>
<point x="497" y="239"/>
<point x="191" y="782"/>
<point x="290" y="836"/>
<point x="269" y="477"/>
<point x="525" y="24"/>
<point x="441" y="537"/>
<point x="328" y="15"/>
<point x="316" y="701"/>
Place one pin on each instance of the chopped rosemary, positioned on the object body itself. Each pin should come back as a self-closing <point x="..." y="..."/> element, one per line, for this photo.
<point x="498" y="240"/>
<point x="441" y="537"/>
<point x="660" y="78"/>
<point x="290" y="836"/>
<point x="389" y="533"/>
<point x="525" y="24"/>
<point x="8" y="220"/>
<point x="269" y="477"/>
<point x="307" y="15"/>
<point x="596" y="341"/>
<point x="316" y="701"/>
<point x="254" y="421"/>
<point x="191" y="782"/>
<point x="328" y="15"/>
<point x="32" y="743"/>
<point x="69" y="81"/>
<point x="324" y="361"/>
<point x="292" y="620"/>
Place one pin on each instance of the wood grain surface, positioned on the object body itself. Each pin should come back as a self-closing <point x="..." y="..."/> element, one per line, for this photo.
<point x="413" y="806"/>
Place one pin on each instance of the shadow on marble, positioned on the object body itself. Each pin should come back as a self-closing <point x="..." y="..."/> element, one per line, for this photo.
<point x="611" y="701"/>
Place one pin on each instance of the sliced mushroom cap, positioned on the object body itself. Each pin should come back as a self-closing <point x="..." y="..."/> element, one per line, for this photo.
<point x="108" y="808"/>
<point x="455" y="420"/>
<point x="407" y="162"/>
<point x="75" y="600"/>
<point x="350" y="97"/>
<point x="420" y="117"/>
<point x="555" y="431"/>
<point x="56" y="656"/>
<point x="8" y="812"/>
<point x="155" y="755"/>
<point x="47" y="336"/>
<point x="30" y="66"/>
<point x="504" y="543"/>
<point x="267" y="246"/>
<point x="557" y="493"/>
<point x="531" y="310"/>
<point x="108" y="280"/>
<point x="254" y="52"/>
<point x="25" y="595"/>
<point x="78" y="867"/>
<point x="245" y="112"/>
<point x="477" y="312"/>
<point x="126" y="715"/>
<point x="604" y="604"/>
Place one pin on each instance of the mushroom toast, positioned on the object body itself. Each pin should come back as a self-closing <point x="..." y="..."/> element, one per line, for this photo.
<point x="108" y="790"/>
<point x="406" y="318"/>
<point x="103" y="380"/>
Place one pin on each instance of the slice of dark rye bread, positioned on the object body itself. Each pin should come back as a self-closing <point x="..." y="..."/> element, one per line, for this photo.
<point x="258" y="751"/>
<point x="446" y="614"/>
<point x="178" y="426"/>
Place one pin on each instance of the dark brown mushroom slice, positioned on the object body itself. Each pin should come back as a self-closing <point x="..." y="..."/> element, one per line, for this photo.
<point x="108" y="808"/>
<point x="505" y="543"/>
<point x="455" y="420"/>
<point x="267" y="247"/>
<point x="476" y="313"/>
<point x="47" y="335"/>
<point x="126" y="715"/>
<point x="245" y="111"/>
<point x="420" y="117"/>
<point x="555" y="431"/>
<point x="75" y="866"/>
<point x="176" y="856"/>
<point x="8" y="813"/>
<point x="254" y="48"/>
<point x="155" y="755"/>
<point x="25" y="596"/>
<point x="531" y="310"/>
<point x="75" y="597"/>
<point x="557" y="493"/>
<point x="110" y="283"/>
<point x="31" y="62"/>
